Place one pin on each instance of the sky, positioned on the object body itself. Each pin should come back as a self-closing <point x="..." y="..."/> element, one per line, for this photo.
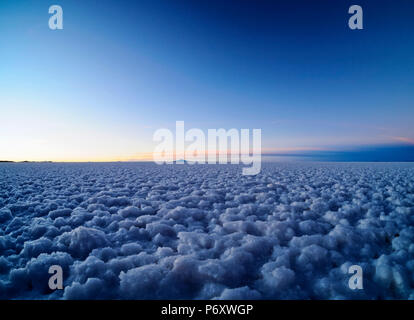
<point x="119" y="70"/>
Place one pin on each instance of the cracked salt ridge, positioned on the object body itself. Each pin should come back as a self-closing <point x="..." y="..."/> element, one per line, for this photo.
<point x="143" y="231"/>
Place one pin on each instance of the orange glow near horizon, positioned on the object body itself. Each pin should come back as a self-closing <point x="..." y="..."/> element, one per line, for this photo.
<point x="149" y="156"/>
<point x="146" y="156"/>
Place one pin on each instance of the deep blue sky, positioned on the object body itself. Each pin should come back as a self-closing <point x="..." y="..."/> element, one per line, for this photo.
<point x="121" y="69"/>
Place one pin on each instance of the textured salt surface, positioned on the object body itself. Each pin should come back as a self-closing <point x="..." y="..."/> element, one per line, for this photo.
<point x="143" y="231"/>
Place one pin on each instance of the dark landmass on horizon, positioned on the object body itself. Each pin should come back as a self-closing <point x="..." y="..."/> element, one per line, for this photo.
<point x="385" y="153"/>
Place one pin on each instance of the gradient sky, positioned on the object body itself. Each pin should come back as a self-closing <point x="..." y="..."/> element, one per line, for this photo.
<point x="119" y="70"/>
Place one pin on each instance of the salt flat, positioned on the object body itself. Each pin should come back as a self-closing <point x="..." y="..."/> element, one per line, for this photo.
<point x="144" y="231"/>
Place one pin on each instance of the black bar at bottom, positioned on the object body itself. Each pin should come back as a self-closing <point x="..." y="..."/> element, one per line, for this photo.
<point x="211" y="309"/>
